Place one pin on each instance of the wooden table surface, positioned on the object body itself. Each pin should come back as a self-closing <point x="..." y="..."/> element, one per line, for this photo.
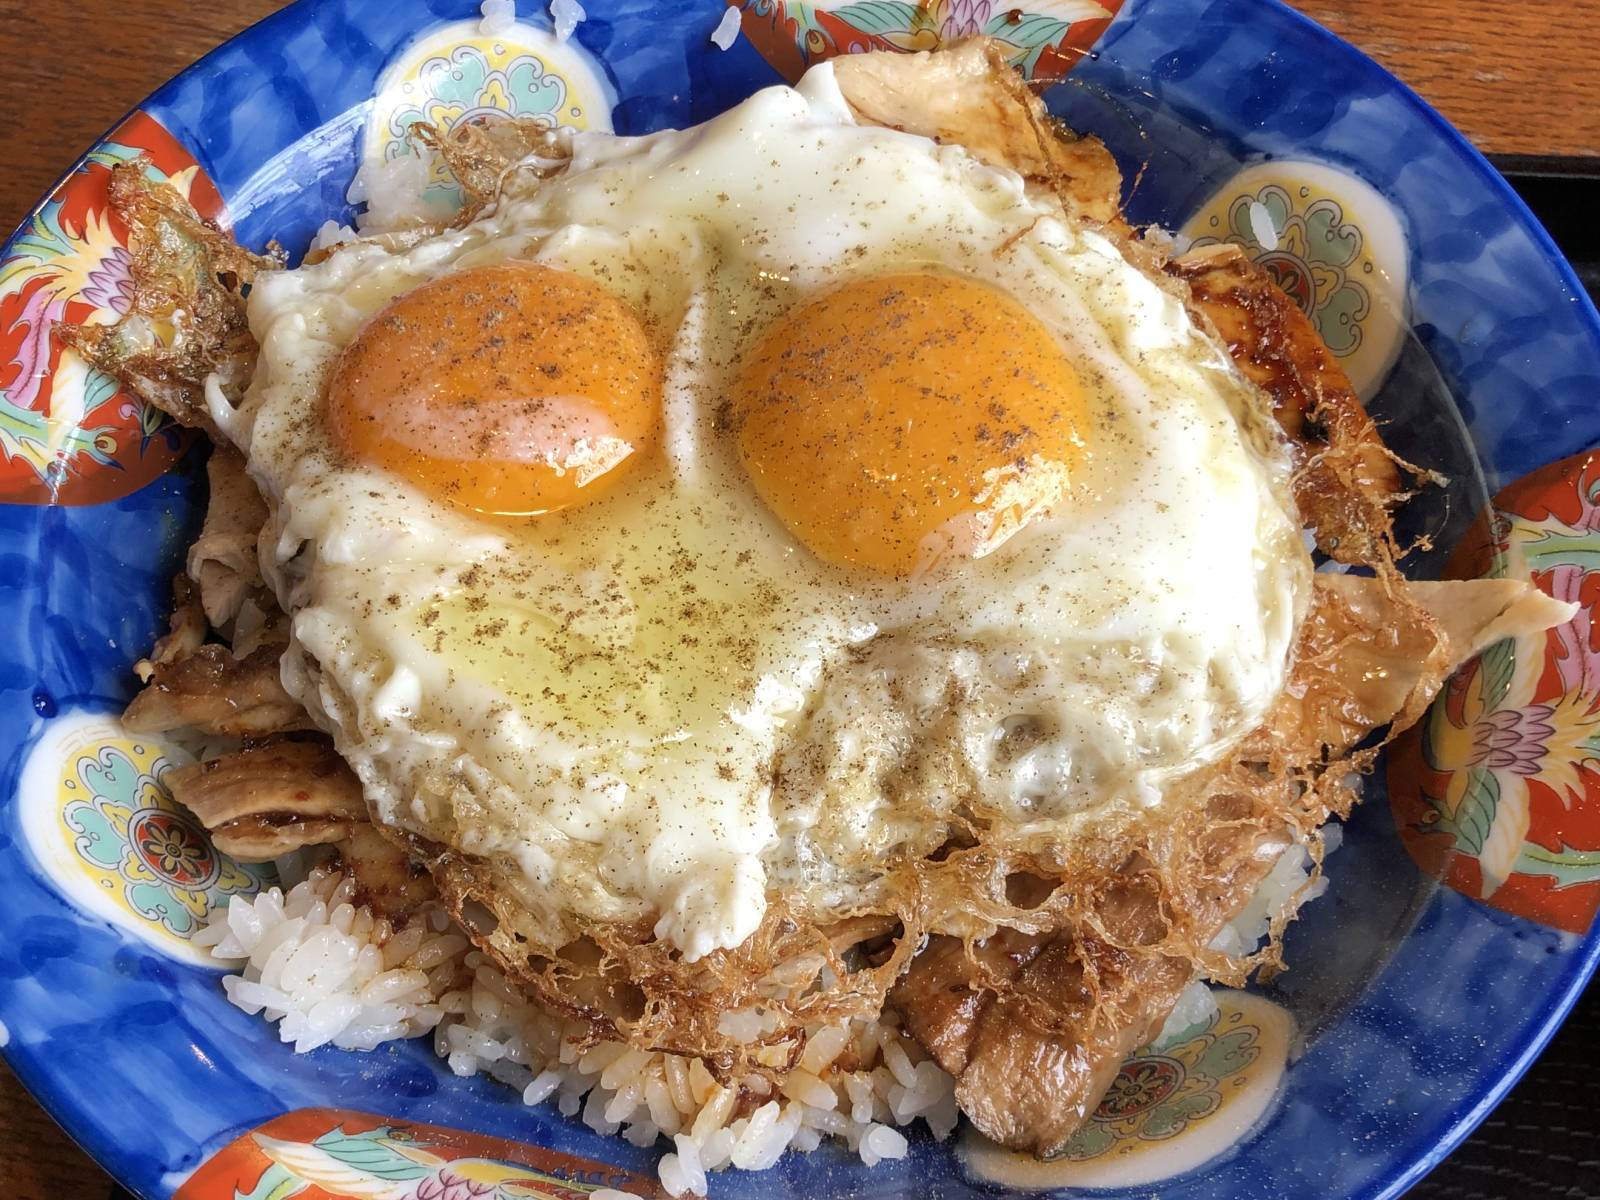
<point x="1519" y="79"/>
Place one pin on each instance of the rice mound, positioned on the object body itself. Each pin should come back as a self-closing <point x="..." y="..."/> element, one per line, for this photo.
<point x="330" y="972"/>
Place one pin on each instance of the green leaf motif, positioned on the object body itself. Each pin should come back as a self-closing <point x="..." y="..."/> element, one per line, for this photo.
<point x="154" y="901"/>
<point x="1333" y="241"/>
<point x="1032" y="32"/>
<point x="1551" y="549"/>
<point x="1092" y="1140"/>
<point x="1229" y="1054"/>
<point x="1568" y="867"/>
<point x="26" y="435"/>
<point x="458" y="79"/>
<point x="109" y="154"/>
<point x="533" y="91"/>
<point x="278" y="1183"/>
<point x="1187" y="1034"/>
<point x="1435" y="729"/>
<point x="38" y="242"/>
<point x="1475" y="815"/>
<point x="97" y="841"/>
<point x="1498" y="664"/>
<point x="884" y="18"/>
<point x="44" y="237"/>
<point x="98" y="388"/>
<point x="370" y="1152"/>
<point x="1172" y="1118"/>
<point x="111" y="776"/>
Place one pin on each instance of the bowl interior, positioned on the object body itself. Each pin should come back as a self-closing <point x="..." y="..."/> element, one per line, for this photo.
<point x="1392" y="976"/>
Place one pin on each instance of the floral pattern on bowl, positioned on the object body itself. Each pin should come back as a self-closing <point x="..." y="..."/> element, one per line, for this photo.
<point x="459" y="73"/>
<point x="1332" y="243"/>
<point x="1044" y="38"/>
<point x="99" y="817"/>
<point x="1420" y="1006"/>
<point x="333" y="1154"/>
<point x="68" y="433"/>
<point x="1498" y="790"/>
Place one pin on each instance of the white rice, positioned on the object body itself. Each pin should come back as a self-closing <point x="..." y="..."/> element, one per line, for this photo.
<point x="331" y="974"/>
<point x="1287" y="878"/>
<point x="566" y="16"/>
<point x="727" y="30"/>
<point x="331" y="234"/>
<point x="325" y="971"/>
<point x="1261" y="226"/>
<point x="393" y="192"/>
<point x="497" y="16"/>
<point x="1195" y="1005"/>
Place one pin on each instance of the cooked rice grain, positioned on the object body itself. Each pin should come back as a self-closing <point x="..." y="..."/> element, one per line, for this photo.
<point x="565" y="17"/>
<point x="329" y="973"/>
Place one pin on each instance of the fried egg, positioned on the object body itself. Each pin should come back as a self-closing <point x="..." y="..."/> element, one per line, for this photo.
<point x="727" y="515"/>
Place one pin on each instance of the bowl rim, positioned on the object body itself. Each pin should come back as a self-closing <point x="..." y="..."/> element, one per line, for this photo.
<point x="1403" y="1171"/>
<point x="1470" y="1113"/>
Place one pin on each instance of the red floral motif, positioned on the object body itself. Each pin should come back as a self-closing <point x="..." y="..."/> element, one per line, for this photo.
<point x="171" y="846"/>
<point x="450" y="1186"/>
<point x="68" y="435"/>
<point x="1497" y="790"/>
<point x="1288" y="273"/>
<point x="1142" y="1084"/>
<point x="1044" y="38"/>
<point x="336" y="1154"/>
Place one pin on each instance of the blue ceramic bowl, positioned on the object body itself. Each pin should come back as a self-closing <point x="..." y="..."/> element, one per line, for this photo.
<point x="1411" y="1007"/>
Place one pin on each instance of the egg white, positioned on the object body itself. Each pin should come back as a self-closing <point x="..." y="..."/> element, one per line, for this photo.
<point x="660" y="704"/>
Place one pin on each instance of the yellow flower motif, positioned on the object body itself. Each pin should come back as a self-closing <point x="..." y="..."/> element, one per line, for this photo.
<point x="494" y="95"/>
<point x="196" y="902"/>
<point x="443" y="112"/>
<point x="75" y="257"/>
<point x="232" y="878"/>
<point x="125" y="833"/>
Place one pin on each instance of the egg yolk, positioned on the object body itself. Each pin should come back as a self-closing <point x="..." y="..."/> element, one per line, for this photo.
<point x="903" y="421"/>
<point x="512" y="389"/>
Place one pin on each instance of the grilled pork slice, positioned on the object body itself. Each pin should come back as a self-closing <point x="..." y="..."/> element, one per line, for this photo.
<point x="213" y="692"/>
<point x="223" y="561"/>
<point x="1035" y="1027"/>
<point x="967" y="95"/>
<point x="264" y="801"/>
<point x="272" y="835"/>
<point x="392" y="883"/>
<point x="186" y="631"/>
<point x="268" y="800"/>
<point x="1348" y="480"/>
